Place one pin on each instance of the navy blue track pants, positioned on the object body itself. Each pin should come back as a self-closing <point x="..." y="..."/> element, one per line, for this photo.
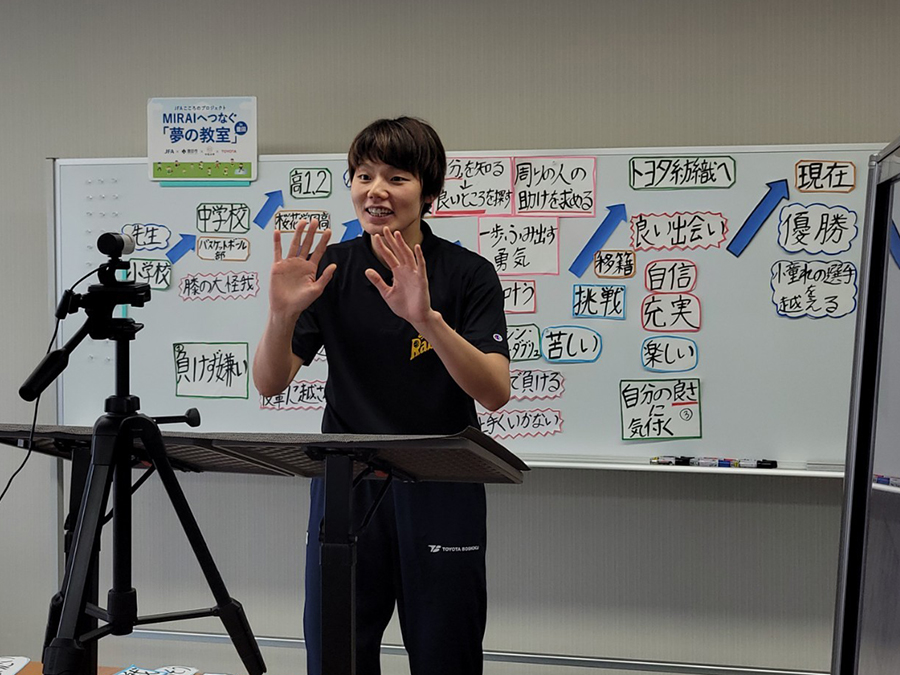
<point x="425" y="551"/>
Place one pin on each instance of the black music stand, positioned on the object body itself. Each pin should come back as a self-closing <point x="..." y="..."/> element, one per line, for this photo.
<point x="469" y="457"/>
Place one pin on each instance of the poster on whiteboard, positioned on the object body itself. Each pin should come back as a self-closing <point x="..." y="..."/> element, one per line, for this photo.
<point x="202" y="139"/>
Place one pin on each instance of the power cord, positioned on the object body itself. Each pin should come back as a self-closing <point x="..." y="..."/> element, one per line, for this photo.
<point x="59" y="316"/>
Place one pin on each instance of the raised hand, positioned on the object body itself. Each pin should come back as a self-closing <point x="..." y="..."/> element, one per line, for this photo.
<point x="293" y="284"/>
<point x="408" y="297"/>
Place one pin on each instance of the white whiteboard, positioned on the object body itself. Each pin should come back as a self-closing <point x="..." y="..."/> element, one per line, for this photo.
<point x="770" y="387"/>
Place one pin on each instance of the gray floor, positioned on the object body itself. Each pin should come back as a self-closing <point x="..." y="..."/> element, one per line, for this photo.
<point x="289" y="659"/>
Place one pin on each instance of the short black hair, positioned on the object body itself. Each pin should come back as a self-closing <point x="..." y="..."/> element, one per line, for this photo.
<point x="408" y="143"/>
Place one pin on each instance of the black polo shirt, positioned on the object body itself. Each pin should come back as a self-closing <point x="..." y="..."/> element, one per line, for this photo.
<point x="383" y="378"/>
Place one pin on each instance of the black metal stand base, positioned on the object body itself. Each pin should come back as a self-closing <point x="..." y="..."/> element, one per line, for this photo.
<point x="67" y="647"/>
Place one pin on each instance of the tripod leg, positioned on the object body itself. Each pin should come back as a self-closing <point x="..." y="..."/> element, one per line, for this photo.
<point x="81" y="464"/>
<point x="121" y="601"/>
<point x="64" y="655"/>
<point x="229" y="609"/>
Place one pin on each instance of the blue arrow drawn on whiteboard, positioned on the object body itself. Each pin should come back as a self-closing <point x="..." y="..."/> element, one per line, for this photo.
<point x="354" y="229"/>
<point x="895" y="243"/>
<point x="274" y="202"/>
<point x="188" y="243"/>
<point x="778" y="190"/>
<point x="615" y="216"/>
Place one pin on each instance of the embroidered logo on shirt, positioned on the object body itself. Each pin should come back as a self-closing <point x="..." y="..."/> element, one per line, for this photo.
<point x="419" y="346"/>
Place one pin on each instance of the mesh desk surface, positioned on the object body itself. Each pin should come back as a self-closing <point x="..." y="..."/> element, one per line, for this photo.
<point x="469" y="456"/>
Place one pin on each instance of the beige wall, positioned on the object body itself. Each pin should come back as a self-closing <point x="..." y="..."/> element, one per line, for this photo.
<point x="75" y="77"/>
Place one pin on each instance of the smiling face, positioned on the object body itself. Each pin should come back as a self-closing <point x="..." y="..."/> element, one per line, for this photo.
<point x="397" y="170"/>
<point x="385" y="196"/>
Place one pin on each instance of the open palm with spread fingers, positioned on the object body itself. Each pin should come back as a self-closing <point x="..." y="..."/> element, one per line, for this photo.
<point x="408" y="296"/>
<point x="293" y="285"/>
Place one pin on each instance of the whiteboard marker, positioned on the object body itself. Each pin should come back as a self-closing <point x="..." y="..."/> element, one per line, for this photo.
<point x="758" y="464"/>
<point x="704" y="461"/>
<point x="671" y="460"/>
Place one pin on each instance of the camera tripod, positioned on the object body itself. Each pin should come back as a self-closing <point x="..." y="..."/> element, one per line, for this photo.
<point x="113" y="454"/>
